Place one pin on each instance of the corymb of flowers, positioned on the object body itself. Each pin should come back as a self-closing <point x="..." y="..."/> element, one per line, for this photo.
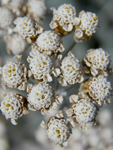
<point x="52" y="71"/>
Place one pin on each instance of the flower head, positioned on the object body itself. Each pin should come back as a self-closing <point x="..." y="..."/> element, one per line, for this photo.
<point x="49" y="42"/>
<point x="70" y="71"/>
<point x="14" y="74"/>
<point x="14" y="5"/>
<point x="87" y="26"/>
<point x="63" y="19"/>
<point x="36" y="9"/>
<point x="13" y="106"/>
<point x="42" y="97"/>
<point x="97" y="88"/>
<point x="15" y="44"/>
<point x="41" y="66"/>
<point x="58" y="129"/>
<point x="83" y="111"/>
<point x="27" y="28"/>
<point x="6" y="18"/>
<point x="97" y="60"/>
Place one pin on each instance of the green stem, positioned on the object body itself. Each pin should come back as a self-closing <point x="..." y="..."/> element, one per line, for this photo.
<point x="70" y="48"/>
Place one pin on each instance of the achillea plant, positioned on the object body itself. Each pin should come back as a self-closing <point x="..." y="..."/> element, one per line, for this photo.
<point x="52" y="71"/>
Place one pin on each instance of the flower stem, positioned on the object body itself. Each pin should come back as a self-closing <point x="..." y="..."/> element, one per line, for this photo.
<point x="70" y="48"/>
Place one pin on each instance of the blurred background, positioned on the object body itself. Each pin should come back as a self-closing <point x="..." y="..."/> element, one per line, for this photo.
<point x="28" y="135"/>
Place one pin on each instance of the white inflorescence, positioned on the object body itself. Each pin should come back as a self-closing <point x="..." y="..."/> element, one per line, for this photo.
<point x="14" y="5"/>
<point x="89" y="22"/>
<point x="15" y="44"/>
<point x="41" y="65"/>
<point x="97" y="88"/>
<point x="41" y="96"/>
<point x="14" y="75"/>
<point x="45" y="61"/>
<point x="36" y="9"/>
<point x="27" y="28"/>
<point x="88" y="25"/>
<point x="6" y="18"/>
<point x="83" y="112"/>
<point x="12" y="106"/>
<point x="71" y="70"/>
<point x="64" y="17"/>
<point x="97" y="60"/>
<point x="57" y="130"/>
<point x="96" y="138"/>
<point x="49" y="42"/>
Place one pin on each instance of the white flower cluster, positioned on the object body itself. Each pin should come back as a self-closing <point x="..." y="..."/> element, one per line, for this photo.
<point x="14" y="74"/>
<point x="13" y="106"/>
<point x="6" y="18"/>
<point x="27" y="28"/>
<point x="83" y="112"/>
<point x="42" y="97"/>
<point x="14" y="5"/>
<point x="97" y="60"/>
<point x="49" y="42"/>
<point x="96" y="138"/>
<point x="70" y="71"/>
<point x="58" y="129"/>
<point x="15" y="44"/>
<point x="88" y="18"/>
<point x="64" y="18"/>
<point x="96" y="88"/>
<point x="87" y="26"/>
<point x="45" y="60"/>
<point x="36" y="9"/>
<point x="41" y="66"/>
